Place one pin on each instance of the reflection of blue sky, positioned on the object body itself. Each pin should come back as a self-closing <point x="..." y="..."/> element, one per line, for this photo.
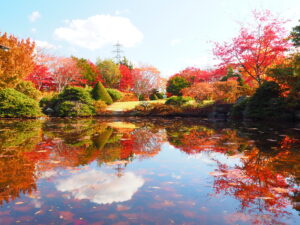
<point x="205" y="160"/>
<point x="100" y="187"/>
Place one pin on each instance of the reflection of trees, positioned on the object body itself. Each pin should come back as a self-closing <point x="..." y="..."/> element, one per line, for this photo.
<point x="17" y="175"/>
<point x="19" y="134"/>
<point x="196" y="139"/>
<point x="72" y="132"/>
<point x="98" y="141"/>
<point x="146" y="142"/>
<point x="263" y="188"/>
<point x="260" y="189"/>
<point x="27" y="151"/>
<point x="17" y="172"/>
<point x="266" y="179"/>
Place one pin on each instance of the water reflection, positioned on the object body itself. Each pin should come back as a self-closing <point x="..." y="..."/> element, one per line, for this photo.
<point x="100" y="187"/>
<point x="108" y="162"/>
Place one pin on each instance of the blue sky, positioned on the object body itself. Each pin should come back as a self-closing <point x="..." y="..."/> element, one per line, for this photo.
<point x="168" y="34"/>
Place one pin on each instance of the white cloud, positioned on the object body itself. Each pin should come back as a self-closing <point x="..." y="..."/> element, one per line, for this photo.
<point x="175" y="42"/>
<point x="33" y="30"/>
<point x="34" y="16"/>
<point x="100" y="30"/>
<point x="100" y="187"/>
<point x="44" y="45"/>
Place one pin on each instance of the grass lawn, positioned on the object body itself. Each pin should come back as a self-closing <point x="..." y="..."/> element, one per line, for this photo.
<point x="124" y="106"/>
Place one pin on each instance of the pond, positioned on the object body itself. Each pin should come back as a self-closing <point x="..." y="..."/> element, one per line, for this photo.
<point x="148" y="171"/>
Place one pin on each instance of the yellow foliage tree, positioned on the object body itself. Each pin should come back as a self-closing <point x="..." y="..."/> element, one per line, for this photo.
<point x="17" y="62"/>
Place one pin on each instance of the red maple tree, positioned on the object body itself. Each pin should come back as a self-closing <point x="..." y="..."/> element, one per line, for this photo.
<point x="257" y="47"/>
<point x="126" y="82"/>
<point x="41" y="77"/>
<point x="196" y="75"/>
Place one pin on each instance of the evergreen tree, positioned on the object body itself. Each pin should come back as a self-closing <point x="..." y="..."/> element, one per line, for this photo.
<point x="100" y="93"/>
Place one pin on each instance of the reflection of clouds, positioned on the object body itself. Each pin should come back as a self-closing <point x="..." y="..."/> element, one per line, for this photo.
<point x="100" y="187"/>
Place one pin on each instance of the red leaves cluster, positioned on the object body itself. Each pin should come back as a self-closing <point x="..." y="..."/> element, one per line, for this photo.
<point x="54" y="73"/>
<point x="126" y="82"/>
<point x="196" y="75"/>
<point x="41" y="78"/>
<point x="257" y="47"/>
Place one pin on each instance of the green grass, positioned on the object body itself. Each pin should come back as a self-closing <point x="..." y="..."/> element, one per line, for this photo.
<point x="125" y="106"/>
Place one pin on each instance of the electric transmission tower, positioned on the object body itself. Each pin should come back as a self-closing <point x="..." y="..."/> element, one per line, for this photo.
<point x="118" y="51"/>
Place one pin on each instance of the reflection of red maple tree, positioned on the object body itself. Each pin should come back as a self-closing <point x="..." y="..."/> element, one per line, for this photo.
<point x="263" y="182"/>
<point x="255" y="183"/>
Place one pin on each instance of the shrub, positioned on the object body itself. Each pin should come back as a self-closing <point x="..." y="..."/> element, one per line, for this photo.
<point x="16" y="104"/>
<point x="45" y="101"/>
<point x="157" y="109"/>
<point x="75" y="94"/>
<point x="114" y="94"/>
<point x="266" y="102"/>
<point x="202" y="110"/>
<point x="27" y="88"/>
<point x="100" y="93"/>
<point x="159" y="95"/>
<point x="153" y="97"/>
<point x="48" y="104"/>
<point x="141" y="98"/>
<point x="178" y="100"/>
<point x="75" y="99"/>
<point x="164" y="110"/>
<point x="99" y="106"/>
<point x="238" y="108"/>
<point x="144" y="107"/>
<point x="73" y="108"/>
<point x="226" y="91"/>
<point x="176" y="84"/>
<point x="199" y="91"/>
<point x="127" y="97"/>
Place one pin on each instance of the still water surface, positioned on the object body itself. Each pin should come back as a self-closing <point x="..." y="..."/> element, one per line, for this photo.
<point x="136" y="171"/>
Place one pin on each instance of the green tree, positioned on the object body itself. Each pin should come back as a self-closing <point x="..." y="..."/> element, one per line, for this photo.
<point x="176" y="84"/>
<point x="266" y="103"/>
<point x="88" y="70"/>
<point x="296" y="35"/>
<point x="126" y="62"/>
<point x="110" y="72"/>
<point x="100" y="93"/>
<point x="231" y="74"/>
<point x="287" y="74"/>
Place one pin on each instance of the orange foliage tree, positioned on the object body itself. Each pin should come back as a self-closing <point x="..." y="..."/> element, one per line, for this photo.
<point x="17" y="62"/>
<point x="224" y="91"/>
<point x="199" y="91"/>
